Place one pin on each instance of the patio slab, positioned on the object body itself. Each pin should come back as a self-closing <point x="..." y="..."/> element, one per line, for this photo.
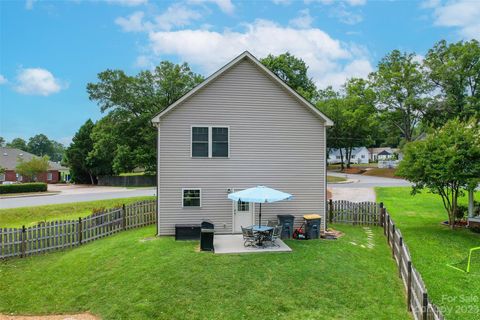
<point x="233" y="243"/>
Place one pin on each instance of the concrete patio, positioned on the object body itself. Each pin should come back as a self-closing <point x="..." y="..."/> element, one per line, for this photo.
<point x="233" y="243"/>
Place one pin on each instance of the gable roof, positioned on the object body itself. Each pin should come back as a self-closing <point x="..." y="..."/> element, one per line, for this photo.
<point x="384" y="153"/>
<point x="9" y="159"/>
<point x="245" y="55"/>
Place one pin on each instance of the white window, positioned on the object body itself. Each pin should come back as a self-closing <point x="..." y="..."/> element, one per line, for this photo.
<point x="2" y="176"/>
<point x="210" y="142"/>
<point x="19" y="177"/>
<point x="363" y="156"/>
<point x="49" y="176"/>
<point x="191" y="198"/>
<point x="243" y="206"/>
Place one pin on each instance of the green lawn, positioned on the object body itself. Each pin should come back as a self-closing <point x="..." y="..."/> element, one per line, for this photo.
<point x="332" y="179"/>
<point x="433" y="246"/>
<point x="121" y="277"/>
<point x="28" y="216"/>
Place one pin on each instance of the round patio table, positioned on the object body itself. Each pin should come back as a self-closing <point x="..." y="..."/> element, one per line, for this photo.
<point x="263" y="230"/>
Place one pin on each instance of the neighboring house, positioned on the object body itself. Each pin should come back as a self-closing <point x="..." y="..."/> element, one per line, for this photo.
<point x="241" y="127"/>
<point x="359" y="155"/>
<point x="385" y="153"/>
<point x="9" y="158"/>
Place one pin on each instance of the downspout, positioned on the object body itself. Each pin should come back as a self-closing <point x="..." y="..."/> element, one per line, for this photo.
<point x="470" y="202"/>
<point x="325" y="196"/>
<point x="157" y="125"/>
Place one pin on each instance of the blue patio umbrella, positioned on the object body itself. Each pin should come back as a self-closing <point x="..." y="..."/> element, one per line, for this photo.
<point x="260" y="194"/>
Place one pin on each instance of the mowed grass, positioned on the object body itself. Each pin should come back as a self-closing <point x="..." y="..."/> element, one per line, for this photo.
<point x="382" y="172"/>
<point x="433" y="246"/>
<point x="121" y="277"/>
<point x="29" y="216"/>
<point x="332" y="179"/>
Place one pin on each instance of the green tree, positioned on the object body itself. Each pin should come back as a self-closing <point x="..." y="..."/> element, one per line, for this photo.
<point x="294" y="72"/>
<point x="2" y="142"/>
<point x="454" y="69"/>
<point x="40" y="145"/>
<point x="125" y="138"/>
<point x="77" y="153"/>
<point x="32" y="167"/>
<point x="58" y="151"/>
<point x="18" y="143"/>
<point x="401" y="90"/>
<point x="353" y="112"/>
<point x="446" y="162"/>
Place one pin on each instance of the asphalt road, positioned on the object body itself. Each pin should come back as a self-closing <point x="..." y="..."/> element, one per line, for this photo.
<point x="366" y="181"/>
<point x="66" y="198"/>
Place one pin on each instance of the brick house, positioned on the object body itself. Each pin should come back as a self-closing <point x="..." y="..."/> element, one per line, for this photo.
<point x="9" y="158"/>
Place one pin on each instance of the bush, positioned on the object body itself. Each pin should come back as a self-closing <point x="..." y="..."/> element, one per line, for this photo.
<point x="23" y="187"/>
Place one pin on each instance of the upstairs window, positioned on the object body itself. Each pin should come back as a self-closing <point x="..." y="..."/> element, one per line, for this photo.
<point x="210" y="142"/>
<point x="191" y="198"/>
<point x="200" y="138"/>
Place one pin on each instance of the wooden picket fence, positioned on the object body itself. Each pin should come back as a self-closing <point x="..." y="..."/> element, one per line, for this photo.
<point x="356" y="213"/>
<point x="56" y="235"/>
<point x="370" y="213"/>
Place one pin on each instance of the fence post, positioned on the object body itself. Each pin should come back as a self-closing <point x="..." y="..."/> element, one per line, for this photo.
<point x="380" y="220"/>
<point x="330" y="211"/>
<point x="388" y="229"/>
<point x="425" y="306"/>
<point x="393" y="240"/>
<point x="409" y="285"/>
<point x="23" y="245"/>
<point x="384" y="219"/>
<point x="400" y="245"/>
<point x="124" y="217"/>
<point x="80" y="233"/>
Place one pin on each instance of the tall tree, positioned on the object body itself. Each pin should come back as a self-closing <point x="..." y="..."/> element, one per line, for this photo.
<point x="401" y="90"/>
<point x="125" y="138"/>
<point x="2" y="142"/>
<point x="58" y="150"/>
<point x="445" y="162"/>
<point x="294" y="72"/>
<point x="40" y="145"/>
<point x="454" y="69"/>
<point x="77" y="153"/>
<point x="353" y="113"/>
<point x="18" y="143"/>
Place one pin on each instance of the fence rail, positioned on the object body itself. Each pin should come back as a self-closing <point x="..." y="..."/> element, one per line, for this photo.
<point x="56" y="235"/>
<point x="370" y="213"/>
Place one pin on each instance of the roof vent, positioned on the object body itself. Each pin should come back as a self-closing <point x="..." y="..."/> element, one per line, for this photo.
<point x="20" y="154"/>
<point x="5" y="154"/>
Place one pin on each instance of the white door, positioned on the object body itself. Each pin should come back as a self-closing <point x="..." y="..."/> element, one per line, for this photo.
<point x="242" y="215"/>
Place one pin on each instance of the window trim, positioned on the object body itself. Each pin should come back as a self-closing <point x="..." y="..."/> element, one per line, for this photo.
<point x="49" y="176"/>
<point x="192" y="207"/>
<point x="210" y="140"/>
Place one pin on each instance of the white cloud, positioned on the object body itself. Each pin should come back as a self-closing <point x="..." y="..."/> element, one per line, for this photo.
<point x="346" y="16"/>
<point x="463" y="14"/>
<point x="37" y="81"/>
<point x="304" y="20"/>
<point x="282" y="2"/>
<point x="128" y="3"/>
<point x="29" y="4"/>
<point x="224" y="5"/>
<point x="356" y="2"/>
<point x="133" y="23"/>
<point x="352" y="3"/>
<point x="3" y="80"/>
<point x="175" y="16"/>
<point x="331" y="62"/>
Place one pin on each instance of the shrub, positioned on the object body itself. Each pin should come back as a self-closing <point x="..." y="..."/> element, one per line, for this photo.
<point x="23" y="187"/>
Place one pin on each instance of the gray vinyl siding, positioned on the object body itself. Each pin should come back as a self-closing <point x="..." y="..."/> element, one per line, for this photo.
<point x="274" y="141"/>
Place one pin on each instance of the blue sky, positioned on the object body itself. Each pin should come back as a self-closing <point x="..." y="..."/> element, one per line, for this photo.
<point x="50" y="50"/>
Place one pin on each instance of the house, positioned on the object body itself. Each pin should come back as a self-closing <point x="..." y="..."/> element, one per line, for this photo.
<point x="242" y="127"/>
<point x="359" y="155"/>
<point x="10" y="157"/>
<point x="383" y="153"/>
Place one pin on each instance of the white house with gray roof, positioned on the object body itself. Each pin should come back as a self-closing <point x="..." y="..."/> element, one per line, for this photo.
<point x="358" y="155"/>
<point x="241" y="127"/>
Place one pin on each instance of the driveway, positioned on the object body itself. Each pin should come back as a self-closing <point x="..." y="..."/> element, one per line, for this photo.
<point x="76" y="194"/>
<point x="362" y="189"/>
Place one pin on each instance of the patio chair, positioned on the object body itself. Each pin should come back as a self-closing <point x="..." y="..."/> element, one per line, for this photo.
<point x="271" y="223"/>
<point x="249" y="237"/>
<point x="277" y="231"/>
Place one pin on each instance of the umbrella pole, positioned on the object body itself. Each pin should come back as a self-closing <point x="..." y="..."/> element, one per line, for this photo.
<point x="260" y="215"/>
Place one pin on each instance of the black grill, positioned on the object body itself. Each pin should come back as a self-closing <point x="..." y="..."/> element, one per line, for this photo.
<point x="206" y="235"/>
